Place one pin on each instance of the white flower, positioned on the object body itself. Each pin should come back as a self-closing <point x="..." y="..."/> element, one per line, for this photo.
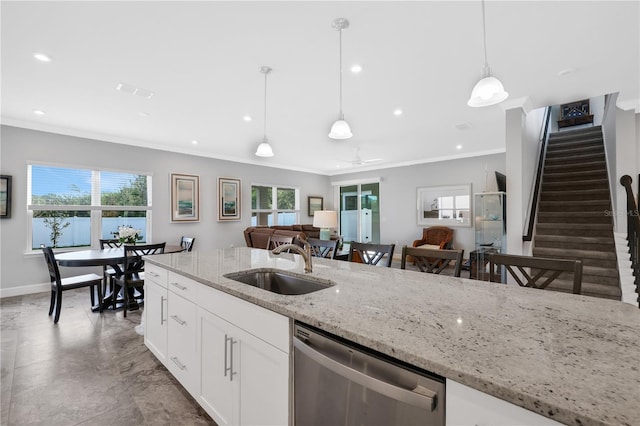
<point x="127" y="234"/>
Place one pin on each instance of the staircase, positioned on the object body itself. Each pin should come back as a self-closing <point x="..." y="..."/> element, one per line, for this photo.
<point x="573" y="219"/>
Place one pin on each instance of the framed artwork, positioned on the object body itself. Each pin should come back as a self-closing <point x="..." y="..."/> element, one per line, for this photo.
<point x="185" y="198"/>
<point x="5" y="197"/>
<point x="315" y="204"/>
<point x="229" y="199"/>
<point x="444" y="205"/>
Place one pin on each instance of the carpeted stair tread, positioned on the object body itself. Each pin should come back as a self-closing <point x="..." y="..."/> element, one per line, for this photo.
<point x="574" y="167"/>
<point x="573" y="159"/>
<point x="559" y="145"/>
<point x="575" y="194"/>
<point x="575" y="242"/>
<point x="575" y="184"/>
<point x="573" y="254"/>
<point x="588" y="289"/>
<point x="588" y="217"/>
<point x="562" y="175"/>
<point x="579" y="205"/>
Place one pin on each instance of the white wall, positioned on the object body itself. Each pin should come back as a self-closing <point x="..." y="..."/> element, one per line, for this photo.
<point x="627" y="153"/>
<point x="21" y="145"/>
<point x="398" y="189"/>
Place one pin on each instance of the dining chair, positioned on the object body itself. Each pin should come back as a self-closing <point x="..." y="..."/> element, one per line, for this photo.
<point x="58" y="284"/>
<point x="132" y="276"/>
<point x="323" y="248"/>
<point x="275" y="241"/>
<point x="371" y="254"/>
<point x="432" y="260"/>
<point x="536" y="272"/>
<point x="187" y="243"/>
<point x="108" y="271"/>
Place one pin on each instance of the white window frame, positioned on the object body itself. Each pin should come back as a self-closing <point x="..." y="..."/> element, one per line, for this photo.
<point x="95" y="208"/>
<point x="274" y="202"/>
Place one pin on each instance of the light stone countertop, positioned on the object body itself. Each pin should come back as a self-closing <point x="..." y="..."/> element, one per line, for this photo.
<point x="575" y="359"/>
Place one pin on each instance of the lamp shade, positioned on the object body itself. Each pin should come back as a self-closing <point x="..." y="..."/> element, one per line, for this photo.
<point x="488" y="91"/>
<point x="340" y="130"/>
<point x="325" y="219"/>
<point x="264" y="149"/>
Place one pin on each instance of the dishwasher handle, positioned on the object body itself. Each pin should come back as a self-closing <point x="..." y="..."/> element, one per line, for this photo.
<point x="424" y="400"/>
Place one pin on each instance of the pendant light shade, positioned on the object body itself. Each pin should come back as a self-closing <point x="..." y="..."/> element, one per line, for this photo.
<point x="489" y="90"/>
<point x="340" y="129"/>
<point x="264" y="149"/>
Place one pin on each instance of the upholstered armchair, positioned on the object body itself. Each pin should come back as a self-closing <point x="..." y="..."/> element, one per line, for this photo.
<point x="435" y="237"/>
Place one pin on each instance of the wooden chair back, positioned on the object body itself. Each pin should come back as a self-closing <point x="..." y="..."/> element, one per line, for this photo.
<point x="371" y="254"/>
<point x="110" y="243"/>
<point x="133" y="261"/>
<point x="323" y="248"/>
<point x="536" y="272"/>
<point x="187" y="243"/>
<point x="431" y="260"/>
<point x="52" y="265"/>
<point x="278" y="240"/>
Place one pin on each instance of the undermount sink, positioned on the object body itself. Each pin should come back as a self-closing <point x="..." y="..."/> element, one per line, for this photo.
<point x="280" y="282"/>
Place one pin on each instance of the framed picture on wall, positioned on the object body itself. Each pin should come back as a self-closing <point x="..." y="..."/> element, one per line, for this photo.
<point x="185" y="198"/>
<point x="5" y="197"/>
<point x="315" y="204"/>
<point x="229" y="199"/>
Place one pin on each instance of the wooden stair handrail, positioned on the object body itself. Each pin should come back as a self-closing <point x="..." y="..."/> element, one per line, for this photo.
<point x="633" y="231"/>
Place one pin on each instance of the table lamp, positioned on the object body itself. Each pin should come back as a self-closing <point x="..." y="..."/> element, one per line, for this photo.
<point x="325" y="220"/>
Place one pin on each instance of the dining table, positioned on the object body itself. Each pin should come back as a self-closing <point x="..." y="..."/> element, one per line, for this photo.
<point x="102" y="257"/>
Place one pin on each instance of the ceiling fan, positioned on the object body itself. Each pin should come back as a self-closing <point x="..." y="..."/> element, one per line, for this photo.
<point x="358" y="161"/>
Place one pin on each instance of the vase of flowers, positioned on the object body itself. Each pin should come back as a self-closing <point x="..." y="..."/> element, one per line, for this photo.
<point x="127" y="235"/>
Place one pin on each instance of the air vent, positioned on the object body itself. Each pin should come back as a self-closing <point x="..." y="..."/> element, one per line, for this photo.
<point x="133" y="90"/>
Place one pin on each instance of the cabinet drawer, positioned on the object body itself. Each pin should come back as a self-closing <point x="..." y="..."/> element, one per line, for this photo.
<point x="267" y="325"/>
<point x="156" y="274"/>
<point x="183" y="286"/>
<point x="182" y="348"/>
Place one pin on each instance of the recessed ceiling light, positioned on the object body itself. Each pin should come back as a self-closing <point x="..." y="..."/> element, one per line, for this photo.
<point x="397" y="111"/>
<point x="42" y="57"/>
<point x="458" y="146"/>
<point x="195" y="142"/>
<point x="356" y="68"/>
<point x="247" y="118"/>
<point x="39" y="112"/>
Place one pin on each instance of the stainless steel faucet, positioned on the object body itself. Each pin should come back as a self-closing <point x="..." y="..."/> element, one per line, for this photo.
<point x="304" y="252"/>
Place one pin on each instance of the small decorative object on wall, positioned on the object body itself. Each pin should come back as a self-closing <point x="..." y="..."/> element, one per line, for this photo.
<point x="229" y="199"/>
<point x="315" y="204"/>
<point x="444" y="205"/>
<point x="185" y="198"/>
<point x="5" y="197"/>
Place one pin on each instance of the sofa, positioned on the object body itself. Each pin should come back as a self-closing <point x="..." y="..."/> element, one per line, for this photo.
<point x="258" y="236"/>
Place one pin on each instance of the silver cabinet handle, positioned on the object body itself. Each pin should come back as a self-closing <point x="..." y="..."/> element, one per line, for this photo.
<point x="231" y="372"/>
<point x="423" y="401"/>
<point x="180" y="365"/>
<point x="228" y="350"/>
<point x="153" y="274"/>
<point x="162" y="299"/>
<point x="178" y="319"/>
<point x="226" y="339"/>
<point x="181" y="287"/>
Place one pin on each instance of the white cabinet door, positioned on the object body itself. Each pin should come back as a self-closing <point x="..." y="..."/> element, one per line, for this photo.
<point x="264" y="382"/>
<point x="183" y="356"/>
<point x="469" y="407"/>
<point x="217" y="393"/>
<point x="155" y="312"/>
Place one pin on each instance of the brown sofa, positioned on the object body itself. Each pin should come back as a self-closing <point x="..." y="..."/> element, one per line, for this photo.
<point x="258" y="236"/>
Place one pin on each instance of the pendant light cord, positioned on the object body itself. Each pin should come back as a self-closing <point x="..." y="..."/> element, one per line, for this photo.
<point x="265" y="105"/>
<point x="341" y="114"/>
<point x="484" y="37"/>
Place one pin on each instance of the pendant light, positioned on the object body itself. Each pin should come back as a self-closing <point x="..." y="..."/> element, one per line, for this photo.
<point x="340" y="129"/>
<point x="264" y="149"/>
<point x="489" y="90"/>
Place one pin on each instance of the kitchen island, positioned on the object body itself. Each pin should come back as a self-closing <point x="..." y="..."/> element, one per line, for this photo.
<point x="574" y="359"/>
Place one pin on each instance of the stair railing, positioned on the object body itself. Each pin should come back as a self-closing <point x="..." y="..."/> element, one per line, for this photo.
<point x="633" y="231"/>
<point x="533" y="202"/>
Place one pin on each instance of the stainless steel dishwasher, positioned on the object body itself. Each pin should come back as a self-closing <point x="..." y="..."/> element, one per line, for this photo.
<point x="337" y="383"/>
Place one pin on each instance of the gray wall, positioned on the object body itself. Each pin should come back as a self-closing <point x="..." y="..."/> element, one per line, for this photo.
<point x="21" y="270"/>
<point x="398" y="189"/>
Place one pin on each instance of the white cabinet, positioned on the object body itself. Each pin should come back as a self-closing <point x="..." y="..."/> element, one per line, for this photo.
<point x="155" y="311"/>
<point x="183" y="356"/>
<point x="245" y="380"/>
<point x="469" y="407"/>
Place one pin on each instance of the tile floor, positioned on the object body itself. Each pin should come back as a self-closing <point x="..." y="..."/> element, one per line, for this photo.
<point x="89" y="369"/>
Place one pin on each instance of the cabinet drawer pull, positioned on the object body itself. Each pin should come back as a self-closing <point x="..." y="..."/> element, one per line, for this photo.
<point x="181" y="287"/>
<point x="180" y="365"/>
<point x="178" y="319"/>
<point x="153" y="274"/>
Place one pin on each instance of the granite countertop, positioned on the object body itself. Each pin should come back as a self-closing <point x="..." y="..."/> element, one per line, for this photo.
<point x="572" y="358"/>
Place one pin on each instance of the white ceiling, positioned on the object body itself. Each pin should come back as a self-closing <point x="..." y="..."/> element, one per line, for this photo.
<point x="202" y="60"/>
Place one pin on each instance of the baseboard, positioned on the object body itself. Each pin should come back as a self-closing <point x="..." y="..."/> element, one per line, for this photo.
<point x="25" y="289"/>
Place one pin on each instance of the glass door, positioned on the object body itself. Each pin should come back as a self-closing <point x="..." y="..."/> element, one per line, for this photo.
<point x="360" y="212"/>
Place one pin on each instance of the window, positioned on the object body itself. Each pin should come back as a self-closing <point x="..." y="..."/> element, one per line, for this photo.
<point x="71" y="207"/>
<point x="274" y="205"/>
<point x="360" y="212"/>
